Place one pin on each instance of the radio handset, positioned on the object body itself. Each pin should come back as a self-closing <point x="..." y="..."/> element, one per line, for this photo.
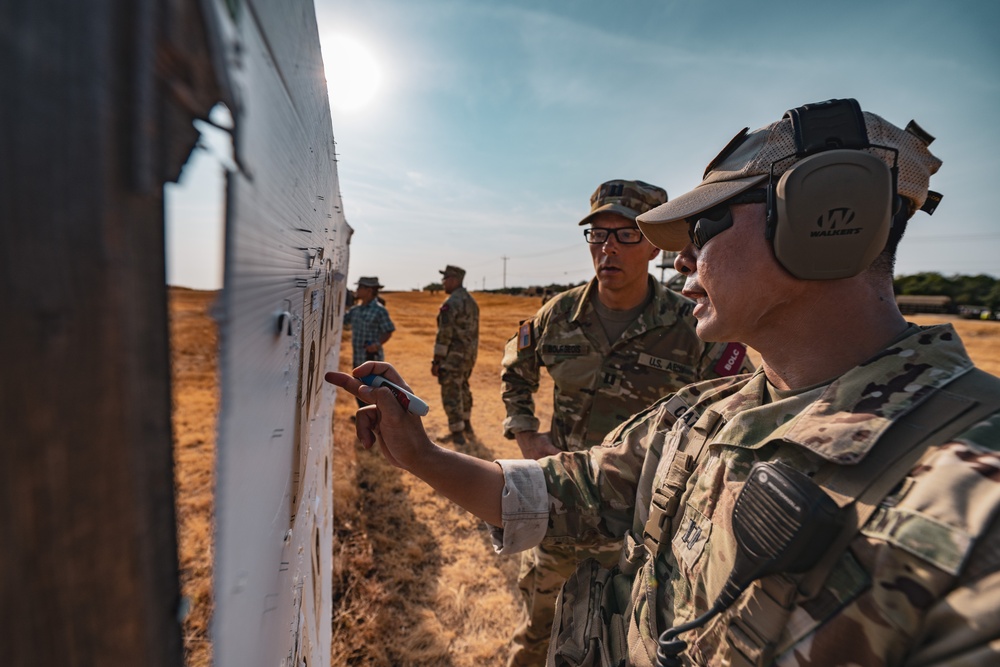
<point x="783" y="522"/>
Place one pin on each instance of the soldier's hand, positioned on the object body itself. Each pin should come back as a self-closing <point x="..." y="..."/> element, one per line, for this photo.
<point x="535" y="445"/>
<point x="399" y="434"/>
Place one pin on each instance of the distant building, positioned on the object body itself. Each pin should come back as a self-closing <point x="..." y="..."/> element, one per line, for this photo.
<point x="675" y="282"/>
<point x="917" y="303"/>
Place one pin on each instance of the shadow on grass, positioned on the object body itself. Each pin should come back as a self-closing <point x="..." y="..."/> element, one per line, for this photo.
<point x="385" y="580"/>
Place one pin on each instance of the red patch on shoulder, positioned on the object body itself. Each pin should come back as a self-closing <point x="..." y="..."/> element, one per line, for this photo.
<point x="731" y="360"/>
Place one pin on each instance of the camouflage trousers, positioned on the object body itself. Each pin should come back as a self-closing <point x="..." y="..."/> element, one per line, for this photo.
<point x="544" y="570"/>
<point x="456" y="397"/>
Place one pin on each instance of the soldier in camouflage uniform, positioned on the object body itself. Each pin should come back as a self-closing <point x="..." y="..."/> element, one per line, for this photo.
<point x="455" y="351"/>
<point x="917" y="579"/>
<point x="612" y="347"/>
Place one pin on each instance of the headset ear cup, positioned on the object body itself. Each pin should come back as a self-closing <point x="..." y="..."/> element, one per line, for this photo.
<point x="833" y="213"/>
<point x="897" y="206"/>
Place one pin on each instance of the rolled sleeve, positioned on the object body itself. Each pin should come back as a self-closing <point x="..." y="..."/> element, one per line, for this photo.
<point x="524" y="507"/>
<point x="518" y="423"/>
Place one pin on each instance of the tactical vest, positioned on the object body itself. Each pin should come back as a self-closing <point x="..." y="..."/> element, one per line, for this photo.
<point x="595" y="631"/>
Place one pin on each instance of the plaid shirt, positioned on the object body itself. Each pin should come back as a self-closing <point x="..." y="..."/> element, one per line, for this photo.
<point x="368" y="322"/>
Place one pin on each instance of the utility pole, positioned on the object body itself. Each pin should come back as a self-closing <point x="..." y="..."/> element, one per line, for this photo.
<point x="505" y="271"/>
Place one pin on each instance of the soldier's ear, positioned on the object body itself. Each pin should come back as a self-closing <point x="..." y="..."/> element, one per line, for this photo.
<point x="653" y="252"/>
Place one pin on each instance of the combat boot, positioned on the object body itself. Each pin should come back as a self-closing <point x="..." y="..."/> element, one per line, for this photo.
<point x="468" y="429"/>
<point x="455" y="438"/>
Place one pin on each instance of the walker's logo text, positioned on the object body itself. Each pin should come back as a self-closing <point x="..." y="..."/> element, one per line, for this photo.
<point x="731" y="360"/>
<point x="834" y="223"/>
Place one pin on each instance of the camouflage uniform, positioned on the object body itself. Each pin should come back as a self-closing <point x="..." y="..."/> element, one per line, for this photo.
<point x="457" y="344"/>
<point x="598" y="385"/>
<point x="919" y="583"/>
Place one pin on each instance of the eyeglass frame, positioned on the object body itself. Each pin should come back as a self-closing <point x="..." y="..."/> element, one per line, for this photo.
<point x="609" y="232"/>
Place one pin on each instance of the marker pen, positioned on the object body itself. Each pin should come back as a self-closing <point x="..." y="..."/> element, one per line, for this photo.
<point x="410" y="402"/>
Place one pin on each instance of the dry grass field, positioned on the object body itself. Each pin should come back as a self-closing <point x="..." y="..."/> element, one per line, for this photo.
<point x="415" y="580"/>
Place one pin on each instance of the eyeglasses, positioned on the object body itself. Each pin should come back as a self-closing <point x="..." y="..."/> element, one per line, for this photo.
<point x="704" y="226"/>
<point x="625" y="235"/>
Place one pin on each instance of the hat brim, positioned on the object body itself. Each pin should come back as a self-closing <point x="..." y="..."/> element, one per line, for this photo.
<point x="618" y="209"/>
<point x="666" y="225"/>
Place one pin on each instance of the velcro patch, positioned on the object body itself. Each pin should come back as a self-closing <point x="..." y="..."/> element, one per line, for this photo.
<point x="937" y="543"/>
<point x="731" y="360"/>
<point x="524" y="336"/>
<point x="663" y="364"/>
<point x="444" y="307"/>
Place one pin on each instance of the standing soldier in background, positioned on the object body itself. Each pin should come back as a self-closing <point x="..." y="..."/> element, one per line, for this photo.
<point x="612" y="347"/>
<point x="455" y="352"/>
<point x="370" y="324"/>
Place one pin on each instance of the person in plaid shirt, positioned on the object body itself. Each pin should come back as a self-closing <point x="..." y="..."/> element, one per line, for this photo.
<point x="370" y="324"/>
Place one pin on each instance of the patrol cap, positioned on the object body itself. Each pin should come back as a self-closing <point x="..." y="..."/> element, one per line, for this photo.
<point x="746" y="162"/>
<point x="626" y="198"/>
<point x="455" y="271"/>
<point x="369" y="281"/>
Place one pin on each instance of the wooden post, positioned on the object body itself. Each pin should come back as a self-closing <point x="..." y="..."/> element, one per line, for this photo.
<point x="90" y="128"/>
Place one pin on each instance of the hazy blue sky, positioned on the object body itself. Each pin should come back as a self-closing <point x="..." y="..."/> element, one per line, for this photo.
<point x="494" y="121"/>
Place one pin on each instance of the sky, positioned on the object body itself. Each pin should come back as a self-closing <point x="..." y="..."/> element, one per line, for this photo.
<point x="473" y="133"/>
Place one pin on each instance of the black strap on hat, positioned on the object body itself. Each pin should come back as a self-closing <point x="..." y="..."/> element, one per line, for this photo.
<point x="823" y="126"/>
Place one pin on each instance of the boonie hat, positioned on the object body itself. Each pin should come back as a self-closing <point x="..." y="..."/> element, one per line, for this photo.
<point x="746" y="162"/>
<point x="626" y="198"/>
<point x="370" y="281"/>
<point x="452" y="271"/>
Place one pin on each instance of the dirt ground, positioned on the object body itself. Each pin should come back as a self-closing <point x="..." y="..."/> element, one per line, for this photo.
<point x="415" y="579"/>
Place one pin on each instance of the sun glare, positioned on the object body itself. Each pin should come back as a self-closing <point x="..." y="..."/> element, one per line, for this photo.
<point x="352" y="73"/>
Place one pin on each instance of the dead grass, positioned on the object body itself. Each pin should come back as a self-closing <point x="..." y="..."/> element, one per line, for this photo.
<point x="982" y="339"/>
<point x="428" y="589"/>
<point x="415" y="581"/>
<point x="194" y="378"/>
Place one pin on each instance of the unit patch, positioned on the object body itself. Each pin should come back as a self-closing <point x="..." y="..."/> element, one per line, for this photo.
<point x="731" y="360"/>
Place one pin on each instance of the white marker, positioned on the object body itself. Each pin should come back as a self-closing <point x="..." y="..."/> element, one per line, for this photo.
<point x="410" y="402"/>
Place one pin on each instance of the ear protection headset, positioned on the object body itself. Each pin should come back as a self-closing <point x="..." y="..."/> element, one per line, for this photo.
<point x="830" y="214"/>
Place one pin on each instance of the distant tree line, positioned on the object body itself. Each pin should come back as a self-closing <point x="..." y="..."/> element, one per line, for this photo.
<point x="536" y="290"/>
<point x="980" y="290"/>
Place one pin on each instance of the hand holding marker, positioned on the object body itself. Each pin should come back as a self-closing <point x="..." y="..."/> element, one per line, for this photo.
<point x="409" y="402"/>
